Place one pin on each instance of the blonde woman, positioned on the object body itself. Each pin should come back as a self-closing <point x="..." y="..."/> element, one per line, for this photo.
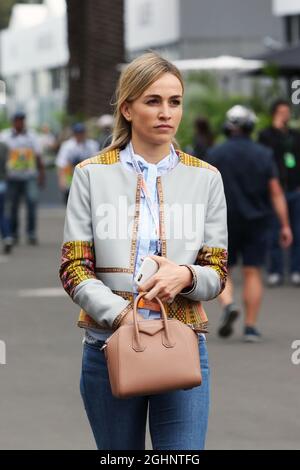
<point x="143" y="196"/>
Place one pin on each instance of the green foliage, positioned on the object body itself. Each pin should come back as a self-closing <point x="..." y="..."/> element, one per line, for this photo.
<point x="5" y="11"/>
<point x="6" y="8"/>
<point x="205" y="97"/>
<point x="65" y="119"/>
<point x="4" y="120"/>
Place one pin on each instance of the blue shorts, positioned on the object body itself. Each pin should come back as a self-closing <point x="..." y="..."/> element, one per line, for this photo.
<point x="249" y="240"/>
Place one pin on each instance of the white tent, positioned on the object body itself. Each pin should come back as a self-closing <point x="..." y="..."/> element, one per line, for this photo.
<point x="222" y="63"/>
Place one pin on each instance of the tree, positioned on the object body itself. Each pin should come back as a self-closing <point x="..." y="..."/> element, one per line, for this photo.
<point x="6" y="8"/>
<point x="5" y="11"/>
<point x="96" y="45"/>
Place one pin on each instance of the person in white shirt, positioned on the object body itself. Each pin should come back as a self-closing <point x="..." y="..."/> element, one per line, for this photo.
<point x="48" y="144"/>
<point x="72" y="152"/>
<point x="25" y="174"/>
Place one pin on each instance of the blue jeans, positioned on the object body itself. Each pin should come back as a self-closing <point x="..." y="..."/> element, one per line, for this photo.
<point x="177" y="419"/>
<point x="4" y="223"/>
<point x="276" y="252"/>
<point x="17" y="190"/>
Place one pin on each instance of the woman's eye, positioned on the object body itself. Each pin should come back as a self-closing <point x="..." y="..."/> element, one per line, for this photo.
<point x="172" y="102"/>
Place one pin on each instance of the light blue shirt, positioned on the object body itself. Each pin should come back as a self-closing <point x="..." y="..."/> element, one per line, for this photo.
<point x="146" y="240"/>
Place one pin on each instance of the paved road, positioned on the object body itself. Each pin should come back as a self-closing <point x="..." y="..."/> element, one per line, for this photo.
<point x="255" y="388"/>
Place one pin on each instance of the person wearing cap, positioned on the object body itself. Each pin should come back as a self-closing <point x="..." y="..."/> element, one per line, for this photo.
<point x="251" y="186"/>
<point x="105" y="124"/>
<point x="285" y="143"/>
<point x="73" y="151"/>
<point x="25" y="174"/>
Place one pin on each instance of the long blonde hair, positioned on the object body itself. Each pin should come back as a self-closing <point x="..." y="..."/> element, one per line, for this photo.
<point x="133" y="81"/>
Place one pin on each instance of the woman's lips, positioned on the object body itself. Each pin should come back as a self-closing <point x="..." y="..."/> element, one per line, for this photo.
<point x="164" y="126"/>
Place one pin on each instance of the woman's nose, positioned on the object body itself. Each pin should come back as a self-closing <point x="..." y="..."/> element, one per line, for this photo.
<point x="164" y="112"/>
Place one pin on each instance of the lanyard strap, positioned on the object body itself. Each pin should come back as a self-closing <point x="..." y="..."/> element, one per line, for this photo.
<point x="145" y="191"/>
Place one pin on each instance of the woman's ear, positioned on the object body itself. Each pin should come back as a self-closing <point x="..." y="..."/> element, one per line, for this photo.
<point x="125" y="110"/>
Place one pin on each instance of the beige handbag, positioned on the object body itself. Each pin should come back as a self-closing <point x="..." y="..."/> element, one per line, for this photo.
<point x="152" y="356"/>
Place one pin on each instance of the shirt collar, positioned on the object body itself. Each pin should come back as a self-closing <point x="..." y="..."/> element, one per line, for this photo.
<point x="162" y="166"/>
<point x="14" y="133"/>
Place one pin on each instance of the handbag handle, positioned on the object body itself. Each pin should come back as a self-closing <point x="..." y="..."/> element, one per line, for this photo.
<point x="167" y="342"/>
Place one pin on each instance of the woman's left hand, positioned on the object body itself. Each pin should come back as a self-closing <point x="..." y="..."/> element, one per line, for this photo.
<point x="168" y="281"/>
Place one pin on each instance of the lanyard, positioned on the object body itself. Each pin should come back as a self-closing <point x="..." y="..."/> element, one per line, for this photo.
<point x="146" y="193"/>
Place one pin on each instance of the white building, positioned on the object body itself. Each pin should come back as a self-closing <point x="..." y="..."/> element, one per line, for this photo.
<point x="152" y="24"/>
<point x="186" y="29"/>
<point x="34" y="55"/>
<point x="289" y="11"/>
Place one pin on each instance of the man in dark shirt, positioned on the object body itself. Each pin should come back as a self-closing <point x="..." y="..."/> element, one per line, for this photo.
<point x="285" y="143"/>
<point x="251" y="184"/>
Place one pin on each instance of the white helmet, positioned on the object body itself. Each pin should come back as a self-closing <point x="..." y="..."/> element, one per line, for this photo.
<point x="240" y="116"/>
<point x="106" y="120"/>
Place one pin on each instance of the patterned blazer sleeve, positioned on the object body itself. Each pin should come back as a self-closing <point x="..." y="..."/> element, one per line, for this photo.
<point x="77" y="269"/>
<point x="210" y="268"/>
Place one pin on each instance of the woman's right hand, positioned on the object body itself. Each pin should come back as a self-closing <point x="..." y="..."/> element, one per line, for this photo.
<point x="129" y="318"/>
